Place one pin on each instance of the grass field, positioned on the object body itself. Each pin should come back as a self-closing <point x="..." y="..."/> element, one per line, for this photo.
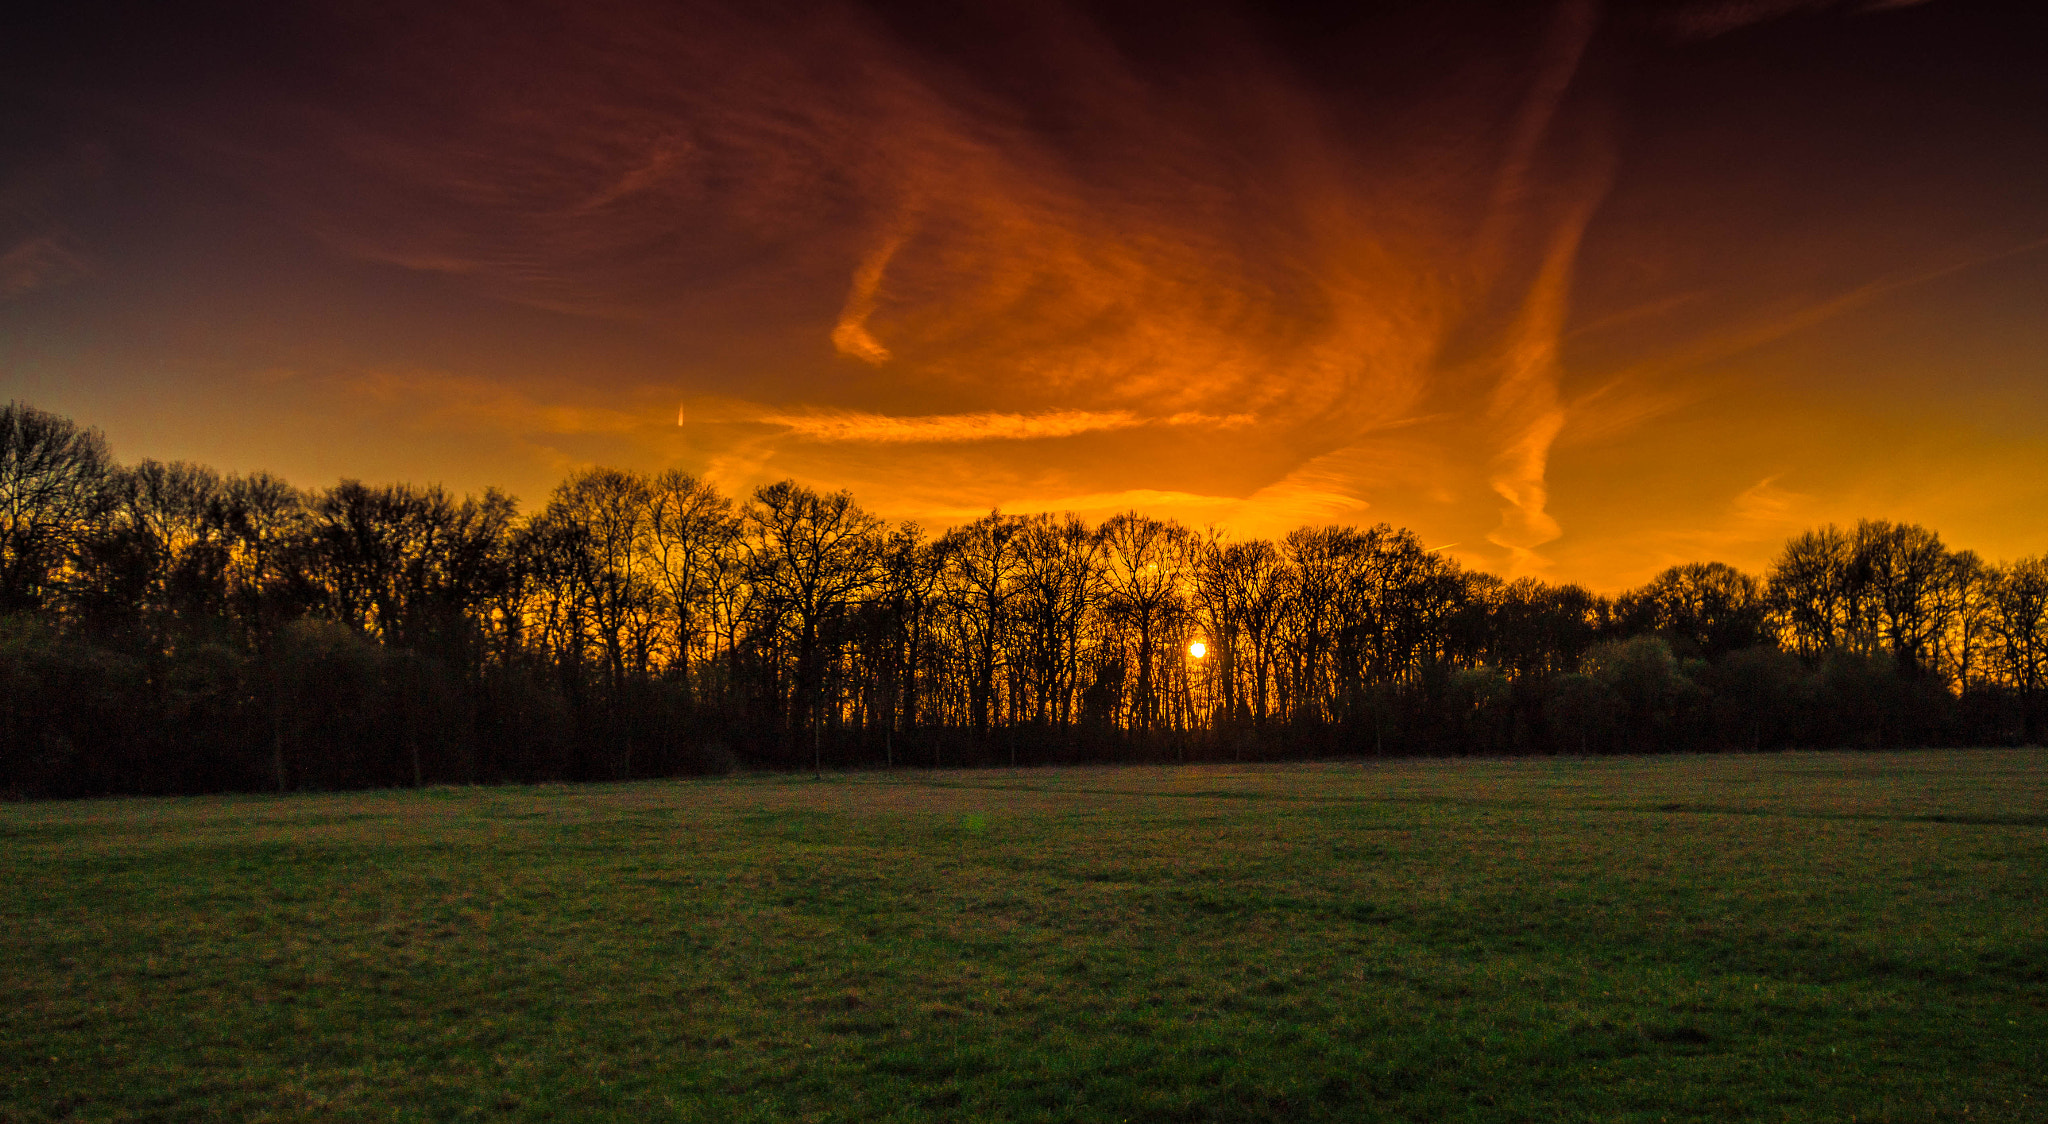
<point x="1796" y="936"/>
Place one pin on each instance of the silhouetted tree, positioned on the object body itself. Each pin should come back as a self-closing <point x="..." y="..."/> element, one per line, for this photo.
<point x="1710" y="608"/>
<point x="691" y="528"/>
<point x="2019" y="637"/>
<point x="812" y="557"/>
<point x="1146" y="564"/>
<point x="165" y="628"/>
<point x="54" y="492"/>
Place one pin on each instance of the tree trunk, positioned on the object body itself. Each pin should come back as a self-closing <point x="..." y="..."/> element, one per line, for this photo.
<point x="277" y="741"/>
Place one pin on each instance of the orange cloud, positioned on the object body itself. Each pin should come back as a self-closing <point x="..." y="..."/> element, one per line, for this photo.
<point x="1035" y="260"/>
<point x="851" y="335"/>
<point x="854" y="425"/>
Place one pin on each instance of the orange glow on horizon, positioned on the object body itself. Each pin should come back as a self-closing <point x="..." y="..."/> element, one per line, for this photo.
<point x="1582" y="291"/>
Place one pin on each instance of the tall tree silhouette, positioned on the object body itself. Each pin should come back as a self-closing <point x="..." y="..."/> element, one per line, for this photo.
<point x="812" y="557"/>
<point x="54" y="492"/>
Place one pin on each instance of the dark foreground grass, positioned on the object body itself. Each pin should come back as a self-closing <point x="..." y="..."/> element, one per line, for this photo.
<point x="1802" y="936"/>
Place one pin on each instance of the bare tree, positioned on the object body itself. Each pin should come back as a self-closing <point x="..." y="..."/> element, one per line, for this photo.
<point x="1712" y="605"/>
<point x="262" y="516"/>
<point x="690" y="528"/>
<point x="1147" y="570"/>
<point x="2020" y="628"/>
<point x="812" y="556"/>
<point x="983" y="561"/>
<point x="53" y="490"/>
<point x="1241" y="586"/>
<point x="1059" y="587"/>
<point x="1812" y="593"/>
<point x="1906" y="579"/>
<point x="900" y="609"/>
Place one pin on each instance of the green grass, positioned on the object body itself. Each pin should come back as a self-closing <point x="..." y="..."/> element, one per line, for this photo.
<point x="1796" y="936"/>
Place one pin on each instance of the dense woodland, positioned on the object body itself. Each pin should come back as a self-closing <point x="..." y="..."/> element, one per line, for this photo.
<point x="165" y="628"/>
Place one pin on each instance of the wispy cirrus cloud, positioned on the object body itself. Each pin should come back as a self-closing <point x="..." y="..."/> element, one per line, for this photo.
<point x="851" y="335"/>
<point x="1704" y="19"/>
<point x="861" y="426"/>
<point x="43" y="262"/>
<point x="472" y="402"/>
<point x="1526" y="408"/>
<point x="1232" y="278"/>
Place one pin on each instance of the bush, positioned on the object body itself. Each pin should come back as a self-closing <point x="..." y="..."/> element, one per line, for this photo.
<point x="1655" y="696"/>
<point x="71" y="715"/>
<point x="1758" y="696"/>
<point x="1581" y="714"/>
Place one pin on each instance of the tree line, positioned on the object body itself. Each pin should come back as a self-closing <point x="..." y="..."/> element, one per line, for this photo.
<point x="168" y="628"/>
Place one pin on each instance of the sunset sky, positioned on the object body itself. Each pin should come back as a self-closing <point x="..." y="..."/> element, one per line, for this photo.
<point x="1572" y="290"/>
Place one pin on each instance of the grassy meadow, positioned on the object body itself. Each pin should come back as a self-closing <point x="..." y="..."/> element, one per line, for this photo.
<point x="1771" y="937"/>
